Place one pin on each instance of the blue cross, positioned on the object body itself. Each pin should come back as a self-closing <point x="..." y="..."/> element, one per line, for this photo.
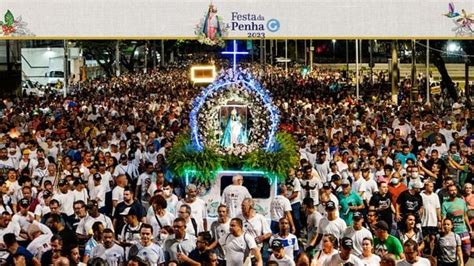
<point x="235" y="52"/>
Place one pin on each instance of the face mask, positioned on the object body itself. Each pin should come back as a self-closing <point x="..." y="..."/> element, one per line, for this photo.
<point x="75" y="174"/>
<point x="163" y="236"/>
<point x="394" y="181"/>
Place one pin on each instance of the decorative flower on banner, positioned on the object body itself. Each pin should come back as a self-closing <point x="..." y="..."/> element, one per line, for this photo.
<point x="262" y="116"/>
<point x="14" y="27"/>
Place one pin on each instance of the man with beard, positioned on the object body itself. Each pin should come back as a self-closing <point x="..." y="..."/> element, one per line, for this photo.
<point x="239" y="245"/>
<point x="344" y="257"/>
<point x="146" y="249"/>
<point x="112" y="253"/>
<point x="455" y="209"/>
<point x="128" y="201"/>
<point x="57" y="227"/>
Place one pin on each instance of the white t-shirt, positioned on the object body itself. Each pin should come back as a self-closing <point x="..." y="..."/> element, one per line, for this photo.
<point x="359" y="187"/>
<point x="153" y="254"/>
<point x="320" y="257"/>
<point x="232" y="197"/>
<point x="336" y="227"/>
<point x="117" y="194"/>
<point x="172" y="202"/>
<point x="113" y="256"/>
<point x="237" y="249"/>
<point x="256" y="226"/>
<point x="312" y="224"/>
<point x="371" y="188"/>
<point x="290" y="244"/>
<point x="430" y="204"/>
<point x="373" y="260"/>
<point x="98" y="193"/>
<point x="198" y="211"/>
<point x="40" y="245"/>
<point x="80" y="195"/>
<point x="295" y="186"/>
<point x="165" y="220"/>
<point x="66" y="202"/>
<point x="278" y="207"/>
<point x="85" y="224"/>
<point x="336" y="260"/>
<point x="421" y="262"/>
<point x="218" y="231"/>
<point x="357" y="238"/>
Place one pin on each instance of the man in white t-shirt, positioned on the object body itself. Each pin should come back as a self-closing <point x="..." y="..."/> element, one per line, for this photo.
<point x="357" y="232"/>
<point x="279" y="208"/>
<point x="147" y="250"/>
<point x="112" y="253"/>
<point x="234" y="194"/>
<point x="219" y="229"/>
<point x="431" y="216"/>
<point x="329" y="225"/>
<point x="278" y="254"/>
<point x="344" y="256"/>
<point x="410" y="249"/>
<point x="254" y="223"/>
<point x="198" y="206"/>
<point x="65" y="197"/>
<point x="238" y="245"/>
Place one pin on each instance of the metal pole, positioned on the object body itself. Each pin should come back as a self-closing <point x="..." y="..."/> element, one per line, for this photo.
<point x="428" y="71"/>
<point x="305" y="53"/>
<point x="66" y="74"/>
<point x="162" y="55"/>
<point x="145" y="49"/>
<point x="296" y="50"/>
<point x="347" y="57"/>
<point x="276" y="48"/>
<point x="117" y="58"/>
<point x="311" y="49"/>
<point x="286" y="56"/>
<point x="357" y="68"/>
<point x="271" y="52"/>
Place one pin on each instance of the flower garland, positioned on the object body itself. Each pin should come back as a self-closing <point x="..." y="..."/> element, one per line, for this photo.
<point x="239" y="87"/>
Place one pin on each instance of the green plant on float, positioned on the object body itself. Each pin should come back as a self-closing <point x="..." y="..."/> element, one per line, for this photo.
<point x="183" y="159"/>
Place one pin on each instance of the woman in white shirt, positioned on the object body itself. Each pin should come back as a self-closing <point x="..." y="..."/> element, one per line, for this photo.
<point x="329" y="248"/>
<point x="367" y="256"/>
<point x="159" y="217"/>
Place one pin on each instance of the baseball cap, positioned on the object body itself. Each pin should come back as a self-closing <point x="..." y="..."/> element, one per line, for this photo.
<point x="128" y="211"/>
<point x="47" y="194"/>
<point x="26" y="151"/>
<point x="24" y="202"/>
<point x="92" y="203"/>
<point x="102" y="163"/>
<point x="97" y="176"/>
<point x="345" y="182"/>
<point x="123" y="156"/>
<point x="277" y="244"/>
<point x="347" y="243"/>
<point x="322" y="153"/>
<point x="416" y="184"/>
<point x="327" y="185"/>
<point x="357" y="216"/>
<point x="330" y="205"/>
<point x="335" y="177"/>
<point x="62" y="182"/>
<point x="382" y="225"/>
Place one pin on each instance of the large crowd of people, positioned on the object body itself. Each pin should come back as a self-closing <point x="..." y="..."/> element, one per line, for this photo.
<point x="84" y="179"/>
